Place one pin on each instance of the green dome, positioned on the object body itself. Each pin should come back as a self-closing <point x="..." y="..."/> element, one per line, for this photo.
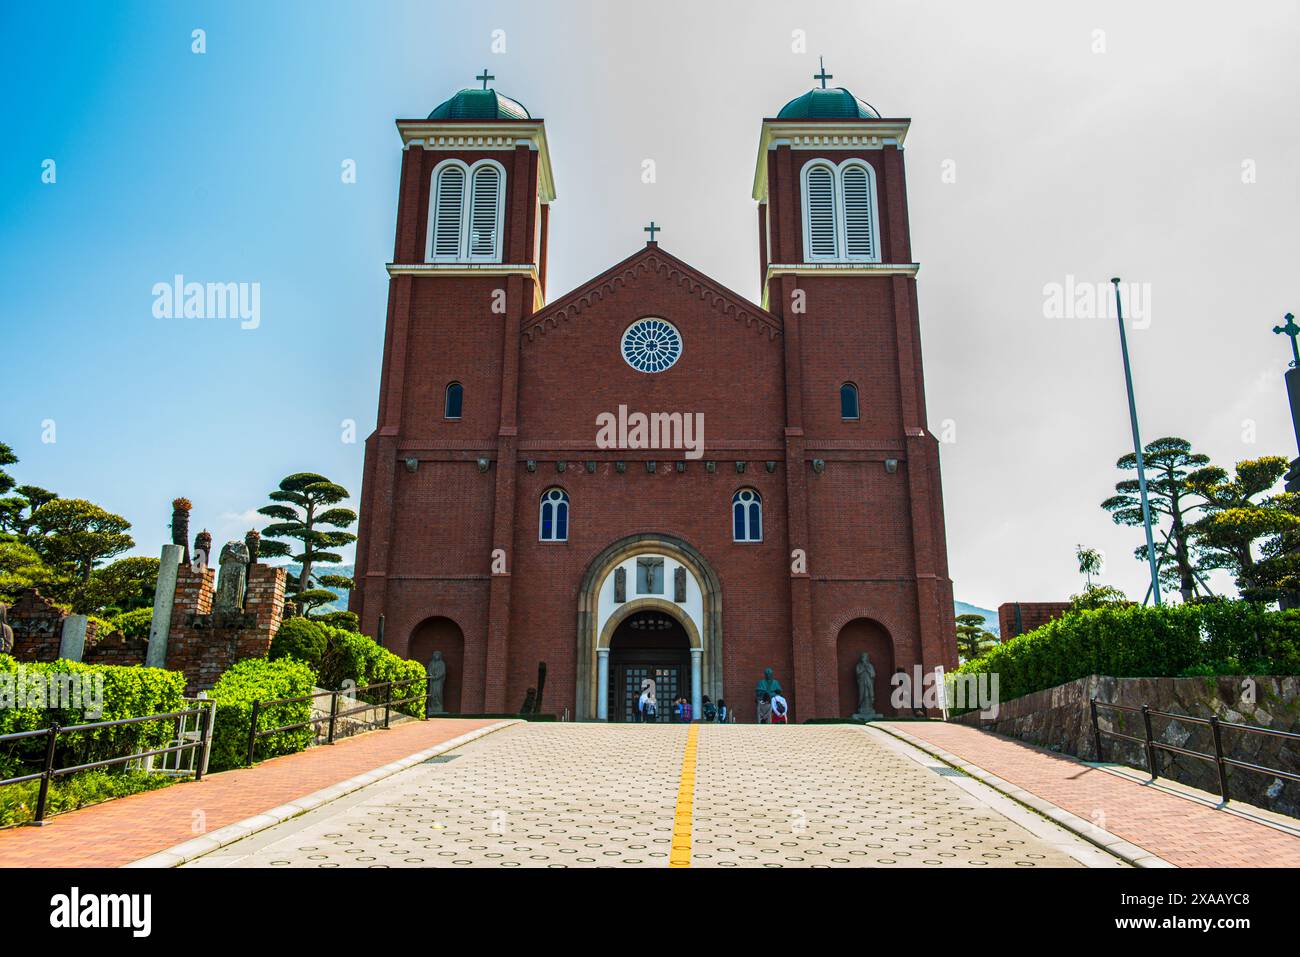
<point x="479" y="105"/>
<point x="836" y="103"/>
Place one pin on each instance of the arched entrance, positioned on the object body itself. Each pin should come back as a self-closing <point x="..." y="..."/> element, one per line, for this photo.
<point x="859" y="635"/>
<point x="639" y="574"/>
<point x="648" y="644"/>
<point x="441" y="634"/>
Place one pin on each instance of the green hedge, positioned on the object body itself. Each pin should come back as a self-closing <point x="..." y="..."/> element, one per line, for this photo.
<point x="18" y="801"/>
<point x="301" y="639"/>
<point x="256" y="679"/>
<point x="132" y="624"/>
<point x="1225" y="637"/>
<point x="128" y="692"/>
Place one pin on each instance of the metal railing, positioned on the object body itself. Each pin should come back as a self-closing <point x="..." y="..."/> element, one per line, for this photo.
<point x="1217" y="727"/>
<point x="334" y="713"/>
<point x="49" y="772"/>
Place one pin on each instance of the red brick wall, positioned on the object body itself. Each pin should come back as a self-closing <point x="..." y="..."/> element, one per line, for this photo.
<point x="1033" y="614"/>
<point x="38" y="627"/>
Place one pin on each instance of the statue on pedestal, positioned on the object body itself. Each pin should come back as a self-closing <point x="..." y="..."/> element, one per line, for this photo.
<point x="764" y="691"/>
<point x="231" y="579"/>
<point x="437" y="672"/>
<point x="866" y="673"/>
<point x="6" y="632"/>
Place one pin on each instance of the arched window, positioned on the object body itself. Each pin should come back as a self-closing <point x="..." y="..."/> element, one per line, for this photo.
<point x="466" y="210"/>
<point x="451" y="407"/>
<point x="554" y="522"/>
<point x="848" y="401"/>
<point x="746" y="516"/>
<point x="839" y="212"/>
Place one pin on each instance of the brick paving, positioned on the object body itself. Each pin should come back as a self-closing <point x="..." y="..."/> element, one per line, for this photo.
<point x="125" y="830"/>
<point x="1176" y="829"/>
<point x="596" y="795"/>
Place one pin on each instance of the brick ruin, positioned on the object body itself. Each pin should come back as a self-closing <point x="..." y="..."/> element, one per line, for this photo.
<point x="212" y="625"/>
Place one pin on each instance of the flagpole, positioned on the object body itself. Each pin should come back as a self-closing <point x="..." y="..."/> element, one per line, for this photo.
<point x="1137" y="446"/>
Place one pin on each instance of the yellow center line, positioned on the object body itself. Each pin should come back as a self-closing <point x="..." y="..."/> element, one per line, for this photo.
<point x="681" y="853"/>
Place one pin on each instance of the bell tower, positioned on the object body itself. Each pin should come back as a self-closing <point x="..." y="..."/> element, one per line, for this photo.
<point x="836" y="265"/>
<point x="469" y="266"/>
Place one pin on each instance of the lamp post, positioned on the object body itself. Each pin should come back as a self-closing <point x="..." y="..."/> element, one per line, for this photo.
<point x="1137" y="446"/>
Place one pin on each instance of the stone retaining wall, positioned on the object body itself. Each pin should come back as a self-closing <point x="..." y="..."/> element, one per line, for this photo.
<point x="1059" y="718"/>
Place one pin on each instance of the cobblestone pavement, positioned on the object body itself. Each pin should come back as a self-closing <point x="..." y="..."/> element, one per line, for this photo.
<point x="587" y="795"/>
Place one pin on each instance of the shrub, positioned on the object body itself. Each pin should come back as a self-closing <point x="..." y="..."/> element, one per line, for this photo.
<point x="347" y="620"/>
<point x="301" y="639"/>
<point x="132" y="624"/>
<point x="256" y="679"/>
<point x="128" y="692"/>
<point x="1226" y="637"/>
<point x="360" y="660"/>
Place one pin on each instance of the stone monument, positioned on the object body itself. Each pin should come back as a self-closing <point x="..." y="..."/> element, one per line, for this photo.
<point x="437" y="672"/>
<point x="866" y="673"/>
<point x="232" y="577"/>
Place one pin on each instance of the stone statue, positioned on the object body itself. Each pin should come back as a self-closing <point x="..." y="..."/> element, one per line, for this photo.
<point x="866" y="673"/>
<point x="6" y="632"/>
<point x="231" y="580"/>
<point x="767" y="685"/>
<point x="437" y="672"/>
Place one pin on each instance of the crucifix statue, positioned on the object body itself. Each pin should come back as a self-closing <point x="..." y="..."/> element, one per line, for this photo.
<point x="821" y="74"/>
<point x="652" y="229"/>
<point x="1291" y="330"/>
<point x="484" y="77"/>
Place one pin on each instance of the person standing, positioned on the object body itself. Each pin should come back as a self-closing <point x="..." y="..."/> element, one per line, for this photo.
<point x="780" y="709"/>
<point x="646" y="705"/>
<point x="709" y="710"/>
<point x="724" y="713"/>
<point x="764" y="708"/>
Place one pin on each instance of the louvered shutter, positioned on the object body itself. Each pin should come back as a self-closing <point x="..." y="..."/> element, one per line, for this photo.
<point x="857" y="214"/>
<point x="485" y="200"/>
<point x="448" y="210"/>
<point x="821" y="213"/>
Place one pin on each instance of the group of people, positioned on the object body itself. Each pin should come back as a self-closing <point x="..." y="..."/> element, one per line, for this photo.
<point x="681" y="712"/>
<point x="770" y="703"/>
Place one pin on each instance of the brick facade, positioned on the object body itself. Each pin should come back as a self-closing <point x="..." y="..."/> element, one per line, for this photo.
<point x="1019" y="617"/>
<point x="859" y="499"/>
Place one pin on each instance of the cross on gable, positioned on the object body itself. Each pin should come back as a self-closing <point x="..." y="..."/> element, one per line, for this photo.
<point x="1291" y="330"/>
<point x="652" y="229"/>
<point x="822" y="74"/>
<point x="484" y="77"/>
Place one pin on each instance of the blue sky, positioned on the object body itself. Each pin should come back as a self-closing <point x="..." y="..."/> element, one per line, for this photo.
<point x="225" y="167"/>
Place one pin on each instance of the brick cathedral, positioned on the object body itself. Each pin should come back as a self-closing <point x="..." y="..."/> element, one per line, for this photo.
<point x="535" y="491"/>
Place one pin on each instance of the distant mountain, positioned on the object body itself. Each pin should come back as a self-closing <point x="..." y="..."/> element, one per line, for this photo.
<point x="349" y="570"/>
<point x="990" y="617"/>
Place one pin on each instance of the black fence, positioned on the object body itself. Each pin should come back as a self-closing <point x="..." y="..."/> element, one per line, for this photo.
<point x="1217" y="728"/>
<point x="49" y="772"/>
<point x="389" y="702"/>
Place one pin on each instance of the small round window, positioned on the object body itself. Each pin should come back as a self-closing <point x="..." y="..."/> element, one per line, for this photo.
<point x="651" y="345"/>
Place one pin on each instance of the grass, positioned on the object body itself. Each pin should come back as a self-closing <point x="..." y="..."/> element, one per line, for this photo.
<point x="18" y="801"/>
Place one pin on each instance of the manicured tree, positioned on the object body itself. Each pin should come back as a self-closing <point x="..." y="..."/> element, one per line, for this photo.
<point x="7" y="457"/>
<point x="307" y="518"/>
<point x="74" y="535"/>
<point x="18" y="511"/>
<point x="125" y="584"/>
<point x="20" y="569"/>
<point x="972" y="637"/>
<point x="1239" y="516"/>
<point x="1170" y="464"/>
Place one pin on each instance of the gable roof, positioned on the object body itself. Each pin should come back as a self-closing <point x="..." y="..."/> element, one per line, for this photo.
<point x="652" y="260"/>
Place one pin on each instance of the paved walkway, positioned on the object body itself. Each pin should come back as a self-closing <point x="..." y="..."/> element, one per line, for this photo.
<point x="1173" y="828"/>
<point x="590" y="795"/>
<point x="125" y="830"/>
